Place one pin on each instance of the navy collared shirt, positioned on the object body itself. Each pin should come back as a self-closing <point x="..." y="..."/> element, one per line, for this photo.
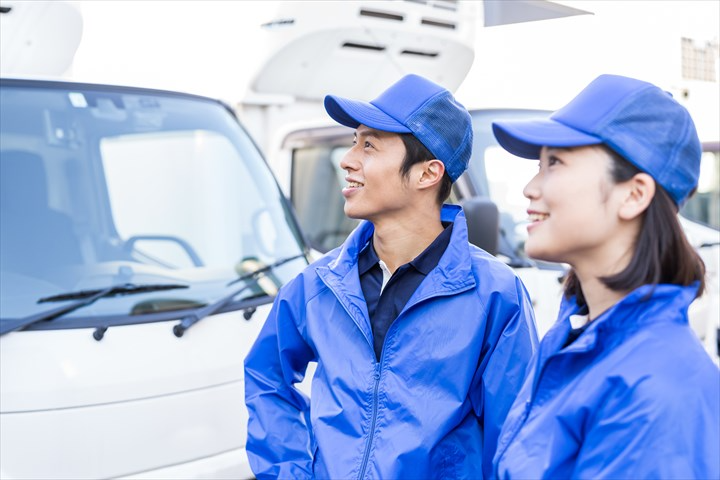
<point x="384" y="307"/>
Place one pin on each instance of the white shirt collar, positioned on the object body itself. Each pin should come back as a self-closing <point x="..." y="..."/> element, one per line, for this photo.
<point x="577" y="321"/>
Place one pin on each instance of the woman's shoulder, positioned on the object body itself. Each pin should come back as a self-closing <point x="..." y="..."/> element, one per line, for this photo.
<point x="662" y="361"/>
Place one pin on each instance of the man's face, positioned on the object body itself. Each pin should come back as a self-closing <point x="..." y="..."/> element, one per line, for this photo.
<point x="375" y="188"/>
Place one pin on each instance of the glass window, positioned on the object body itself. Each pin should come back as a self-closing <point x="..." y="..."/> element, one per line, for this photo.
<point x="704" y="206"/>
<point x="104" y="186"/>
<point x="317" y="182"/>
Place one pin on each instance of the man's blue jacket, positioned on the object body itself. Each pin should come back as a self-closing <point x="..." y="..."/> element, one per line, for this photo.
<point x="635" y="396"/>
<point x="432" y="407"/>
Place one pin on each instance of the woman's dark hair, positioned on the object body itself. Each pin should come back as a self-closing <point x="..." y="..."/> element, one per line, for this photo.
<point x="416" y="152"/>
<point x="662" y="252"/>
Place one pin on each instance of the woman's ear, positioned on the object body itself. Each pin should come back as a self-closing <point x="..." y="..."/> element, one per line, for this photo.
<point x="431" y="173"/>
<point x="640" y="190"/>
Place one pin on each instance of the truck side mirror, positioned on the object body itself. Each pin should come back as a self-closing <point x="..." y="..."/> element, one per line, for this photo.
<point x="483" y="221"/>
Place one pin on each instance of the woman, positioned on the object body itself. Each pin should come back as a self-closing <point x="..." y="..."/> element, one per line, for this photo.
<point x="620" y="387"/>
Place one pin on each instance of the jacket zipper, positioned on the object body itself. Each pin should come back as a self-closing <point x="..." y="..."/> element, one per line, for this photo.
<point x="371" y="435"/>
<point x="376" y="373"/>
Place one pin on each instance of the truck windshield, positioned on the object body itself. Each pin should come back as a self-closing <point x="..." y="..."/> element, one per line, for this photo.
<point x="107" y="186"/>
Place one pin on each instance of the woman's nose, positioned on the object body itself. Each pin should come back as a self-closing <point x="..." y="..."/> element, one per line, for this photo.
<point x="532" y="190"/>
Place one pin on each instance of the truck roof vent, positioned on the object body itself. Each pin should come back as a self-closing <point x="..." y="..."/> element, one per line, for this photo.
<point x="446" y="5"/>
<point x="278" y="23"/>
<point x="442" y="4"/>
<point x="363" y="46"/>
<point x="387" y="16"/>
<point x="438" y="23"/>
<point x="419" y="53"/>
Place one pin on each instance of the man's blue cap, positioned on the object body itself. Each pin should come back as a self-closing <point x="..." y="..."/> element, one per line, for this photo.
<point x="414" y="105"/>
<point x="638" y="120"/>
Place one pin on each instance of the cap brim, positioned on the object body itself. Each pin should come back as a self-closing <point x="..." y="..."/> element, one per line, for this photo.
<point x="352" y="113"/>
<point x="525" y="138"/>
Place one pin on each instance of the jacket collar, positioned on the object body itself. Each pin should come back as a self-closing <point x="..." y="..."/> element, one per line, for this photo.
<point x="453" y="267"/>
<point x="453" y="273"/>
<point x="641" y="308"/>
<point x="644" y="307"/>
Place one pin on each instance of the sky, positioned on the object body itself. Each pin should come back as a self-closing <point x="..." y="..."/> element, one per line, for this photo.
<point x="211" y="48"/>
<point x="560" y="56"/>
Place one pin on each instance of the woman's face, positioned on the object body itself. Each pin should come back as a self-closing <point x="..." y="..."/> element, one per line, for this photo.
<point x="573" y="208"/>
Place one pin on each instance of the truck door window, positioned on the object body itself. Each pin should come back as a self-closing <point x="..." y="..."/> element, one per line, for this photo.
<point x="704" y="206"/>
<point x="316" y="193"/>
<point x="507" y="176"/>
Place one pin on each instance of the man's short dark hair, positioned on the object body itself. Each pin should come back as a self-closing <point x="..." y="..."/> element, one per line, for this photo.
<point x="416" y="152"/>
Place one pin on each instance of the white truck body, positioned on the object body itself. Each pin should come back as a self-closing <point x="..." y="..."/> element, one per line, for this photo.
<point x="143" y="241"/>
<point x="124" y="213"/>
<point x="360" y="53"/>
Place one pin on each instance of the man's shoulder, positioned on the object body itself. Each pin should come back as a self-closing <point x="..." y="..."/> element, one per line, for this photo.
<point x="308" y="280"/>
<point x="323" y="260"/>
<point x="484" y="261"/>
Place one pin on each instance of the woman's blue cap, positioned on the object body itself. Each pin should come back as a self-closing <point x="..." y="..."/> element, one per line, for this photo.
<point x="414" y="105"/>
<point x="638" y="120"/>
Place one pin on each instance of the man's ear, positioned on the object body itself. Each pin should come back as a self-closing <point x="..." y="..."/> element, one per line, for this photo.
<point x="431" y="173"/>
<point x="640" y="190"/>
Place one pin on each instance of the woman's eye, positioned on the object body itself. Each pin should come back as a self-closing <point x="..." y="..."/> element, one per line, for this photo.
<point x="552" y="160"/>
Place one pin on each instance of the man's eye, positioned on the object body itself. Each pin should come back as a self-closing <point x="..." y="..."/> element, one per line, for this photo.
<point x="368" y="145"/>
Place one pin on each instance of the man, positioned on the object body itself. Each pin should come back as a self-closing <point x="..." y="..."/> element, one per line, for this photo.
<point x="421" y="339"/>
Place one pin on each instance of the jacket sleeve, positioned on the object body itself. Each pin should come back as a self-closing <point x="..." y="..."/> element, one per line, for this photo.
<point x="510" y="344"/>
<point x="279" y="435"/>
<point x="651" y="432"/>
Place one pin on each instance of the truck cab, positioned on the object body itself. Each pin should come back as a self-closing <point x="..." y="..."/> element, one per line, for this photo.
<point x="143" y="241"/>
<point x="369" y="46"/>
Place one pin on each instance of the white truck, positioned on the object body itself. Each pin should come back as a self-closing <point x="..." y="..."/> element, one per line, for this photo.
<point x="142" y="241"/>
<point x="368" y="46"/>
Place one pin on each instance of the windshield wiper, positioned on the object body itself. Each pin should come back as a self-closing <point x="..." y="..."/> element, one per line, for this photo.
<point x="84" y="298"/>
<point x="187" y="322"/>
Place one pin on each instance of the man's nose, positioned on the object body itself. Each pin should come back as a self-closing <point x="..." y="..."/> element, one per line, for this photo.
<point x="349" y="160"/>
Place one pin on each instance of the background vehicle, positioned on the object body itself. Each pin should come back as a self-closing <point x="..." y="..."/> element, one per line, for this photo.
<point x="143" y="241"/>
<point x="368" y="46"/>
<point x="366" y="49"/>
<point x="701" y="220"/>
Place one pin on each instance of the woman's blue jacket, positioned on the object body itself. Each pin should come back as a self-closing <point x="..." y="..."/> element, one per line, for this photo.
<point x="432" y="407"/>
<point x="635" y="396"/>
